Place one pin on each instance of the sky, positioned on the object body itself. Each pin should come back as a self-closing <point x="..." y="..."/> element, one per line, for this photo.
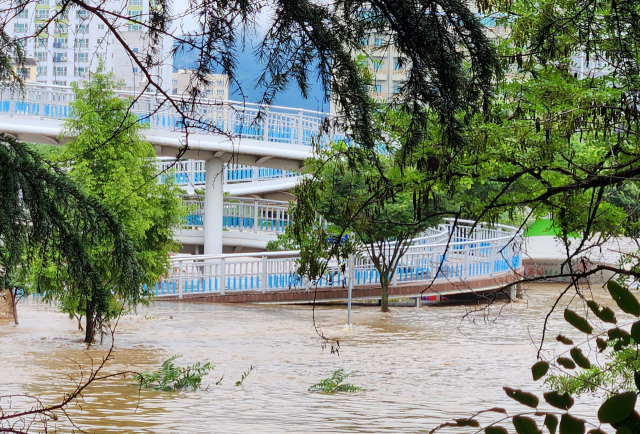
<point x="249" y="69"/>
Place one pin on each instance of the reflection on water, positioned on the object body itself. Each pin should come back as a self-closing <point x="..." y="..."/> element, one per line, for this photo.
<point x="419" y="367"/>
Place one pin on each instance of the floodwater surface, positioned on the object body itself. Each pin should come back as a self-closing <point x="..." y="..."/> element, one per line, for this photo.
<point x="417" y="367"/>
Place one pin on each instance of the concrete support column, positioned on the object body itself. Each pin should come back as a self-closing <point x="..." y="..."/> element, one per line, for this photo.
<point x="213" y="207"/>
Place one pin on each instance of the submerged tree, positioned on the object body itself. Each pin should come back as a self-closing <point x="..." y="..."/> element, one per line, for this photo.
<point x="107" y="156"/>
<point x="48" y="222"/>
<point x="369" y="206"/>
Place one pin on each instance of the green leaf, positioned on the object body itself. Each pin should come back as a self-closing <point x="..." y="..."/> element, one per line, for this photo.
<point x="467" y="422"/>
<point x="577" y="321"/>
<point x="525" y="398"/>
<point x="617" y="333"/>
<point x="605" y="314"/>
<point x="551" y="422"/>
<point x="635" y="331"/>
<point x="579" y="358"/>
<point x="565" y="340"/>
<point x="563" y="402"/>
<point x="595" y="431"/>
<point x="602" y="344"/>
<point x="525" y="425"/>
<point x="539" y="370"/>
<point x="617" y="408"/>
<point x="571" y="425"/>
<point x="566" y="363"/>
<point x="623" y="430"/>
<point x="624" y="298"/>
<point x="495" y="430"/>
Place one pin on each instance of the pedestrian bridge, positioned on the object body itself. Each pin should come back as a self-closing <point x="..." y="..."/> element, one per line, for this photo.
<point x="445" y="260"/>
<point x="220" y="133"/>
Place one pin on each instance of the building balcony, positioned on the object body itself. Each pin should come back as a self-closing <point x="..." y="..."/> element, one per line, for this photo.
<point x="60" y="59"/>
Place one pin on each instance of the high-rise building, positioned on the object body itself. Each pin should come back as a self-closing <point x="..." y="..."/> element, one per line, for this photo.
<point x="218" y="87"/>
<point x="67" y="47"/>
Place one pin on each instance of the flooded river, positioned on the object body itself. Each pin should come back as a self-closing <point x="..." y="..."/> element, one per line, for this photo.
<point x="418" y="367"/>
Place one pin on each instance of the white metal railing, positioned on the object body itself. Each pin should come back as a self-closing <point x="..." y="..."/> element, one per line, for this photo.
<point x="192" y="172"/>
<point x="446" y="253"/>
<point x="237" y="119"/>
<point x="254" y="215"/>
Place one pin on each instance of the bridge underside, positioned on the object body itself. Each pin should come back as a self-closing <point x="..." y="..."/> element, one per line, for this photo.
<point x="483" y="285"/>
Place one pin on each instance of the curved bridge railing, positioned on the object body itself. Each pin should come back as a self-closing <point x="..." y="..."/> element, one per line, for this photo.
<point x="192" y="172"/>
<point x="237" y="119"/>
<point x="240" y="213"/>
<point x="451" y="253"/>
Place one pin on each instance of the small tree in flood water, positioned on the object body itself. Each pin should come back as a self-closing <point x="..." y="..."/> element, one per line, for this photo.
<point x="108" y="157"/>
<point x="364" y="194"/>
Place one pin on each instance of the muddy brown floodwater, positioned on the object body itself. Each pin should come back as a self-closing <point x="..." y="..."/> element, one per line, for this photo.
<point x="418" y="367"/>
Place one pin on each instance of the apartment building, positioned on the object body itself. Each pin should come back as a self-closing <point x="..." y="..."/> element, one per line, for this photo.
<point x="70" y="47"/>
<point x="217" y="89"/>
<point x="388" y="73"/>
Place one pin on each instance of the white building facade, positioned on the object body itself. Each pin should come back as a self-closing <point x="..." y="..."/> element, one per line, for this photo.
<point x="70" y="46"/>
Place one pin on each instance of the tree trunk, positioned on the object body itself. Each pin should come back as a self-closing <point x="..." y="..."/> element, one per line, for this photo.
<point x="14" y="304"/>
<point x="90" y="319"/>
<point x="384" y="300"/>
<point x="79" y="318"/>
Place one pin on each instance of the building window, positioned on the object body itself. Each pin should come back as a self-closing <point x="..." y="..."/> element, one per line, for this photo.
<point x="397" y="65"/>
<point x="61" y="28"/>
<point x="397" y="89"/>
<point x="24" y="72"/>
<point x="42" y="56"/>
<point x="100" y="26"/>
<point x="377" y="42"/>
<point x="41" y="70"/>
<point x="22" y="13"/>
<point x="377" y="64"/>
<point x="59" y="57"/>
<point x="135" y="50"/>
<point x="42" y="14"/>
<point x="376" y="88"/>
<point x="135" y="70"/>
<point x="20" y="28"/>
<point x="60" y="83"/>
<point x="83" y="43"/>
<point x="100" y="41"/>
<point x="82" y="57"/>
<point x="81" y="28"/>
<point x="220" y="92"/>
<point x="43" y="2"/>
<point x="133" y="14"/>
<point x="60" y="42"/>
<point x="42" y="42"/>
<point x="82" y="14"/>
<point x="135" y="2"/>
<point x="365" y="41"/>
<point x="60" y="71"/>
<point x="81" y="71"/>
<point x="220" y="83"/>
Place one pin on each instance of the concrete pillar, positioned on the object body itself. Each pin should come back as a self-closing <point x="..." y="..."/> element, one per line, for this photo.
<point x="213" y="207"/>
<point x="419" y="301"/>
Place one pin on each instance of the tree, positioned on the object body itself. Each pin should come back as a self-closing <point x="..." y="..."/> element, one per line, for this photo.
<point x="108" y="158"/>
<point x="367" y="203"/>
<point x="47" y="221"/>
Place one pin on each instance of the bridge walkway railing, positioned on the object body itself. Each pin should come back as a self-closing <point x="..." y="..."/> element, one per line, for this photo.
<point x="485" y="251"/>
<point x="239" y="213"/>
<point x="237" y="119"/>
